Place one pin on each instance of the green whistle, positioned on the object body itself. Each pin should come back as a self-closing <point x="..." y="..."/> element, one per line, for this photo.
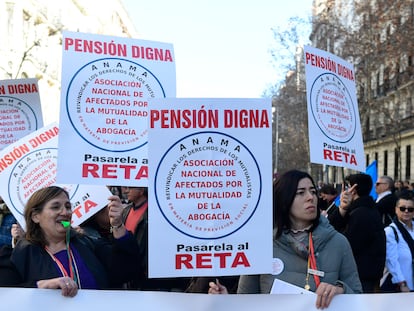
<point x="65" y="223"/>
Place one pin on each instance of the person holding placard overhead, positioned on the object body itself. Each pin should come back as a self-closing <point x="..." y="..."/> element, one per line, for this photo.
<point x="308" y="251"/>
<point x="54" y="256"/>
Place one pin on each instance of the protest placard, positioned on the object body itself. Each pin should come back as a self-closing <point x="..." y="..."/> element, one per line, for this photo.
<point x="106" y="84"/>
<point x="210" y="207"/>
<point x="26" y="298"/>
<point x="30" y="164"/>
<point x="335" y="136"/>
<point x="20" y="109"/>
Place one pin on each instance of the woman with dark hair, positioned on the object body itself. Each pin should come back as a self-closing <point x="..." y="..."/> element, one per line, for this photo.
<point x="308" y="251"/>
<point x="52" y="255"/>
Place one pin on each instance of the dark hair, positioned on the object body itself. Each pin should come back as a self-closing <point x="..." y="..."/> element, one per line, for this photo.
<point x="328" y="189"/>
<point x="284" y="192"/>
<point x="405" y="194"/>
<point x="363" y="181"/>
<point x="35" y="205"/>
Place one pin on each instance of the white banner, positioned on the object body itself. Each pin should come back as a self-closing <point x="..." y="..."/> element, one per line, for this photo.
<point x="30" y="164"/>
<point x="47" y="299"/>
<point x="210" y="206"/>
<point x="335" y="136"/>
<point x="20" y="109"/>
<point x="106" y="84"/>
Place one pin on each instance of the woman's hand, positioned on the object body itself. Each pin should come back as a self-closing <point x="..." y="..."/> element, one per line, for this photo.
<point x="325" y="293"/>
<point x="68" y="286"/>
<point x="217" y="288"/>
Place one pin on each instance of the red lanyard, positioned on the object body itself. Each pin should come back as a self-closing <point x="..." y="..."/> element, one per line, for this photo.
<point x="61" y="267"/>
<point x="312" y="260"/>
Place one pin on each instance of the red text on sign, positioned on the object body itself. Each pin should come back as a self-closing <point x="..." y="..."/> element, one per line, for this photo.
<point x="126" y="171"/>
<point x="206" y="260"/>
<point x="84" y="208"/>
<point x="339" y="156"/>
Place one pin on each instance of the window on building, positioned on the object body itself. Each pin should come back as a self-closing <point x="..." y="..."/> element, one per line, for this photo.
<point x="381" y="75"/>
<point x="408" y="162"/>
<point x="385" y="162"/>
<point x="376" y="156"/>
<point x="389" y="31"/>
<point x="412" y="12"/>
<point x="396" y="161"/>
<point x="367" y="160"/>
<point x="407" y="107"/>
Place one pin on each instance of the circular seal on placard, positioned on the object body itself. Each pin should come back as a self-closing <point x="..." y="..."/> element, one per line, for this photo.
<point x="332" y="108"/>
<point x="17" y="120"/>
<point x="106" y="103"/>
<point x="277" y="266"/>
<point x="34" y="170"/>
<point x="207" y="185"/>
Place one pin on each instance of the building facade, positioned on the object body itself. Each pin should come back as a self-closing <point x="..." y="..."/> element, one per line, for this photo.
<point x="31" y="34"/>
<point x="376" y="36"/>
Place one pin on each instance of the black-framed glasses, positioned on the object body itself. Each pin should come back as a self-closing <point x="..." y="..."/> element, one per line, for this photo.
<point x="379" y="183"/>
<point x="406" y="209"/>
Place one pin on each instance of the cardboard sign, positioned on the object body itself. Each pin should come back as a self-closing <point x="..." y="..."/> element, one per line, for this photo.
<point x="106" y="84"/>
<point x="30" y="164"/>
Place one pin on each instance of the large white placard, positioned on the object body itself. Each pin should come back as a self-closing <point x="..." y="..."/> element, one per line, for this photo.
<point x="335" y="136"/>
<point x="106" y="84"/>
<point x="20" y="109"/>
<point x="30" y="164"/>
<point x="48" y="299"/>
<point x="210" y="207"/>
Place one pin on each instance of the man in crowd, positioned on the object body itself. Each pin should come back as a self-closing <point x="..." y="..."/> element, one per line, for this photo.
<point x="359" y="220"/>
<point x="327" y="197"/>
<point x="136" y="221"/>
<point x="386" y="199"/>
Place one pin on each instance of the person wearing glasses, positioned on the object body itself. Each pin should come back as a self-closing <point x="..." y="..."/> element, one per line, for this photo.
<point x="386" y="199"/>
<point x="400" y="245"/>
<point x="359" y="220"/>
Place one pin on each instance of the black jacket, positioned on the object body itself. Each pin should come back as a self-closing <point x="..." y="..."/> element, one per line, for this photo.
<point x="9" y="276"/>
<point x="110" y="262"/>
<point x="363" y="227"/>
<point x="143" y="282"/>
<point x="386" y="208"/>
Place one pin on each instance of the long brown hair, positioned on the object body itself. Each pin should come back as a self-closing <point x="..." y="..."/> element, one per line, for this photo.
<point x="35" y="205"/>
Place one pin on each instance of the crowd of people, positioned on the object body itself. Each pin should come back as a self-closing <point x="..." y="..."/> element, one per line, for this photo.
<point x="362" y="243"/>
<point x="330" y="241"/>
